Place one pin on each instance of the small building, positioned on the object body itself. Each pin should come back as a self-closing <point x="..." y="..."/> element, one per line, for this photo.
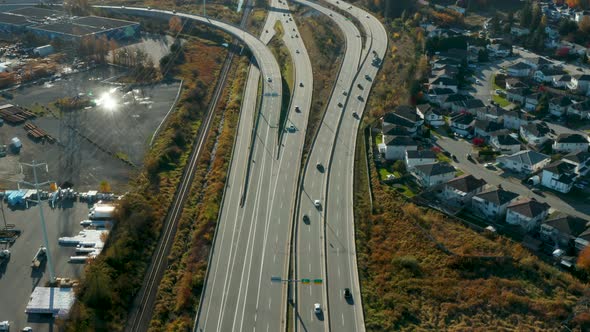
<point x="570" y="143"/>
<point x="505" y="142"/>
<point x="515" y="83"/>
<point x="499" y="50"/>
<point x="558" y="106"/>
<point x="395" y="147"/>
<point x="491" y="204"/>
<point x="407" y="117"/>
<point x="559" y="176"/>
<point x="448" y="101"/>
<point x="460" y="190"/>
<point x="580" y="159"/>
<point x="583" y="240"/>
<point x="518" y="95"/>
<point x="527" y="213"/>
<point x="492" y="113"/>
<point x="561" y="81"/>
<point x="531" y="101"/>
<point x="43" y="51"/>
<point x="484" y="128"/>
<point x="580" y="110"/>
<point x="433" y="116"/>
<point x="535" y="133"/>
<point x="579" y="83"/>
<point x="538" y="62"/>
<point x="462" y="123"/>
<point x="437" y="95"/>
<point x="519" y="69"/>
<point x="419" y="157"/>
<point x="12" y="24"/>
<point x="561" y="230"/>
<point x="547" y="75"/>
<point x="515" y="119"/>
<point x="472" y="106"/>
<point x="56" y="301"/>
<point x="445" y="82"/>
<point x="429" y="175"/>
<point x="524" y="162"/>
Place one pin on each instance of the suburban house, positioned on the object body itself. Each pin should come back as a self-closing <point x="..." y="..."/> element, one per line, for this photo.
<point x="515" y="119"/>
<point x="518" y="95"/>
<point x="561" y="230"/>
<point x="531" y="101"/>
<point x="570" y="143"/>
<point x="580" y="83"/>
<point x="461" y="124"/>
<point x="491" y="113"/>
<point x="492" y="203"/>
<point x="519" y="31"/>
<point x="514" y="83"/>
<point x="429" y="175"/>
<point x="432" y="116"/>
<point x="583" y="240"/>
<point x="499" y="50"/>
<point x="558" y="106"/>
<point x="460" y="190"/>
<point x="561" y="81"/>
<point x="538" y="62"/>
<point x="535" y="133"/>
<point x="470" y="105"/>
<point x="559" y="176"/>
<point x="484" y="128"/>
<point x="395" y="147"/>
<point x="580" y="159"/>
<point x="525" y="162"/>
<point x="406" y="117"/>
<point x="547" y="75"/>
<point x="448" y="101"/>
<point x="437" y="95"/>
<point x="445" y="82"/>
<point x="446" y="71"/>
<point x="527" y="213"/>
<point x="519" y="69"/>
<point x="582" y="109"/>
<point x="504" y="141"/>
<point x="419" y="157"/>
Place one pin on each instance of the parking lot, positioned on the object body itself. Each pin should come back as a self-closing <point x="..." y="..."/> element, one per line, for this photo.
<point x="118" y="128"/>
<point x="18" y="278"/>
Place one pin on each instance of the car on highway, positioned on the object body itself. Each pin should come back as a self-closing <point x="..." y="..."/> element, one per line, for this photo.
<point x="319" y="166"/>
<point x="292" y="128"/>
<point x="359" y="97"/>
<point x="469" y="157"/>
<point x="340" y="104"/>
<point x="297" y="51"/>
<point x="344" y="92"/>
<point x="301" y="84"/>
<point x="347" y="293"/>
<point x="306" y="218"/>
<point x="317" y="308"/>
<point x="477" y="81"/>
<point x="489" y="166"/>
<point x="367" y="77"/>
<point x="367" y="16"/>
<point x="268" y="79"/>
<point x="355" y="115"/>
<point x="317" y="203"/>
<point x="149" y="8"/>
<point x="297" y="109"/>
<point x="359" y="86"/>
<point x="454" y="157"/>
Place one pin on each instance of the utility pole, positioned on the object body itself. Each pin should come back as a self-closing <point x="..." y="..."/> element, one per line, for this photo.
<point x="37" y="185"/>
<point x="204" y="11"/>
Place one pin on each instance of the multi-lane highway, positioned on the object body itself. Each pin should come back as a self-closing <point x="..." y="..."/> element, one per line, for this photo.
<point x="252" y="240"/>
<point x="328" y="248"/>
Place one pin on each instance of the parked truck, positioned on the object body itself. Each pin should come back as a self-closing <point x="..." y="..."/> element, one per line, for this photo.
<point x="102" y="212"/>
<point x="39" y="257"/>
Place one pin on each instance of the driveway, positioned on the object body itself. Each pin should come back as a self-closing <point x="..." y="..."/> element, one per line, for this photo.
<point x="460" y="148"/>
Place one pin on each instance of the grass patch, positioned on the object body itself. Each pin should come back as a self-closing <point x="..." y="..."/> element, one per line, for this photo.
<point x="378" y="139"/>
<point x="501" y="101"/>
<point x="442" y="158"/>
<point x="281" y="53"/>
<point x="384" y="173"/>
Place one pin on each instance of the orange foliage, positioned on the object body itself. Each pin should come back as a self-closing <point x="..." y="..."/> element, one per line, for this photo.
<point x="584" y="258"/>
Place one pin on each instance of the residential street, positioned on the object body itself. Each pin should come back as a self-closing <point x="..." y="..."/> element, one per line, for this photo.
<point x="460" y="148"/>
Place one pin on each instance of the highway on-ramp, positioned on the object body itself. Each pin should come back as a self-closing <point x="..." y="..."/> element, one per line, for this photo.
<point x="252" y="239"/>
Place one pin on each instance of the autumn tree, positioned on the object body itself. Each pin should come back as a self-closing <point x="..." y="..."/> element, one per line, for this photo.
<point x="585" y="25"/>
<point x="584" y="259"/>
<point x="105" y="187"/>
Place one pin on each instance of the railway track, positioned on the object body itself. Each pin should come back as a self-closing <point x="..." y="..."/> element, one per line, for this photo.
<point x="143" y="307"/>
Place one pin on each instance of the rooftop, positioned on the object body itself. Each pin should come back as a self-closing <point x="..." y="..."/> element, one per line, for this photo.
<point x="36" y="13"/>
<point x="497" y="196"/>
<point x="399" y="141"/>
<point x="529" y="207"/>
<point x="527" y="157"/>
<point x="571" y="138"/>
<point x="577" y="157"/>
<point x="68" y="29"/>
<point x="13" y="19"/>
<point x="102" y="22"/>
<point x="51" y="300"/>
<point x="567" y="224"/>
<point x="435" y="169"/>
<point x="466" y="183"/>
<point x="537" y="129"/>
<point x="415" y="154"/>
<point x="560" y="167"/>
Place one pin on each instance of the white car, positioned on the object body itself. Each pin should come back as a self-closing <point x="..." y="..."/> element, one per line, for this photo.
<point x="317" y="203"/>
<point x="317" y="308"/>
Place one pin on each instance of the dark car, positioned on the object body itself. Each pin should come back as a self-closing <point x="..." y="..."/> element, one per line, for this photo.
<point x="347" y="293"/>
<point x="320" y="167"/>
<point x="306" y="218"/>
<point x="359" y="86"/>
<point x="360" y="98"/>
<point x="454" y="157"/>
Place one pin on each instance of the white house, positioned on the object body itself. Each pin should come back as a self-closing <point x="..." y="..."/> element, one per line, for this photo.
<point x="499" y="50"/>
<point x="535" y="133"/>
<point x="528" y="213"/>
<point x="484" y="128"/>
<point x="561" y="81"/>
<point x="419" y="157"/>
<point x="429" y="175"/>
<point x="561" y="230"/>
<point x="570" y="143"/>
<point x="433" y="116"/>
<point x="580" y="159"/>
<point x="437" y="95"/>
<point x="505" y="142"/>
<point x="515" y="119"/>
<point x="405" y="117"/>
<point x="581" y="110"/>
<point x="579" y="83"/>
<point x="558" y="106"/>
<point x="559" y="176"/>
<point x="519" y="69"/>
<point x="395" y="147"/>
<point x="460" y="190"/>
<point x="538" y="62"/>
<point x="462" y="124"/>
<point x="491" y="204"/>
<point x="525" y="162"/>
<point x="445" y="82"/>
<point x="470" y="105"/>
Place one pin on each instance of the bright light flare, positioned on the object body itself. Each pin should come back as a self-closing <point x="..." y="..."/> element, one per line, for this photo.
<point x="107" y="101"/>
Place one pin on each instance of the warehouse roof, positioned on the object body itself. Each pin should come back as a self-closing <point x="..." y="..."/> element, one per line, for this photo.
<point x="13" y="19"/>
<point x="102" y="22"/>
<point x="68" y="29"/>
<point x="35" y="13"/>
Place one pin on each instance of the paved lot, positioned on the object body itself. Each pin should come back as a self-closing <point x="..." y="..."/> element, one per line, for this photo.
<point x="126" y="129"/>
<point x="559" y="202"/>
<point x="17" y="279"/>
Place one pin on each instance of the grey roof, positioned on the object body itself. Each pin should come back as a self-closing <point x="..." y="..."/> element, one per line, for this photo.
<point x="497" y="196"/>
<point x="561" y="101"/>
<point x="407" y="112"/>
<point x="487" y="125"/>
<point x="472" y="103"/>
<point x="102" y="22"/>
<point x="538" y="129"/>
<point x="466" y="183"/>
<point x="68" y="29"/>
<point x="37" y="13"/>
<point x="435" y="169"/>
<point x="529" y="207"/>
<point x="456" y="97"/>
<point x="441" y="91"/>
<point x="566" y="224"/>
<point x="565" y="78"/>
<point x="463" y="118"/>
<point x="424" y="108"/>
<point x="571" y="138"/>
<point x="13" y="19"/>
<point x="577" y="157"/>
<point x="527" y="157"/>
<point x="582" y="106"/>
<point x="445" y="81"/>
<point x="399" y="141"/>
<point x="560" y="167"/>
<point x="582" y="77"/>
<point x="506" y="139"/>
<point x="515" y="83"/>
<point x="417" y="154"/>
<point x="539" y="61"/>
<point x="519" y="66"/>
<point x="393" y="129"/>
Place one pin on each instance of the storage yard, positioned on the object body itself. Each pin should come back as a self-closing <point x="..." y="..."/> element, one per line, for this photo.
<point x="76" y="231"/>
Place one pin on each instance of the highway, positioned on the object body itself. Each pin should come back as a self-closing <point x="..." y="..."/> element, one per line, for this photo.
<point x="334" y="148"/>
<point x="309" y="241"/>
<point x="252" y="241"/>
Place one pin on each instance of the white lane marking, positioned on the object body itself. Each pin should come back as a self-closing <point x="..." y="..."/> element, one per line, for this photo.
<point x="309" y="267"/>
